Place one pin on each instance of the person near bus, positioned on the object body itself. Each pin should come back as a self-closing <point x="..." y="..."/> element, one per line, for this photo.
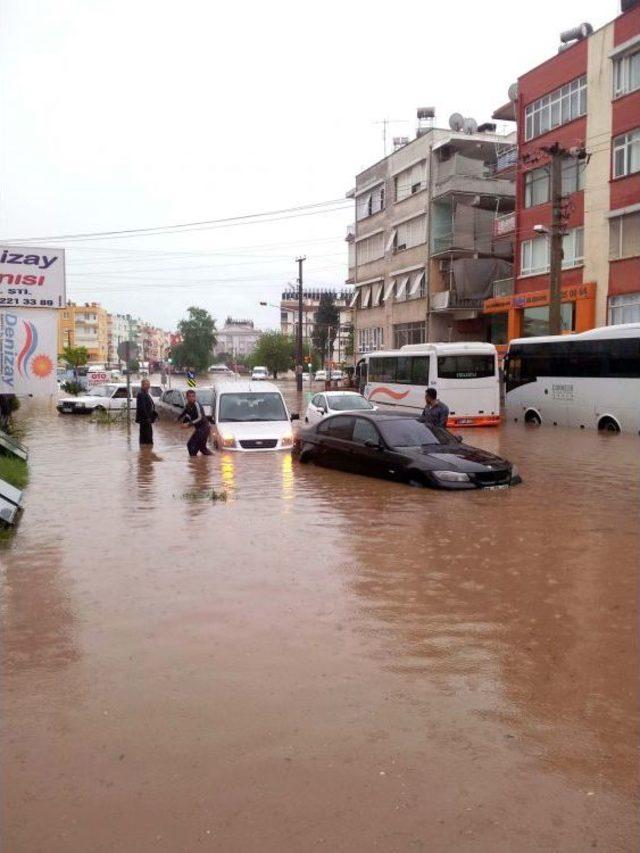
<point x="193" y="416"/>
<point x="435" y="413"/>
<point x="145" y="413"/>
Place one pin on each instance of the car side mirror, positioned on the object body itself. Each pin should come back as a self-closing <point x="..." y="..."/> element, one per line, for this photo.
<point x="373" y="444"/>
<point x="295" y="416"/>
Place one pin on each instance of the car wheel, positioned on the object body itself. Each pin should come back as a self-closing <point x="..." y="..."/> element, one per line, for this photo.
<point x="608" y="425"/>
<point x="99" y="409"/>
<point x="306" y="456"/>
<point x="532" y="417"/>
<point x="416" y="479"/>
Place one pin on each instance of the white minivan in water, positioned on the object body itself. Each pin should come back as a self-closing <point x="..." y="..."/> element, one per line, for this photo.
<point x="251" y="416"/>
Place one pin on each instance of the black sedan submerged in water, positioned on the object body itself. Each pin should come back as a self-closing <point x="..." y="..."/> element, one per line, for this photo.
<point x="402" y="448"/>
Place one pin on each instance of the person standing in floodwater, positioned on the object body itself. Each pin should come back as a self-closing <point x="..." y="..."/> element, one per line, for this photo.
<point x="145" y="413"/>
<point x="193" y="415"/>
<point x="435" y="413"/>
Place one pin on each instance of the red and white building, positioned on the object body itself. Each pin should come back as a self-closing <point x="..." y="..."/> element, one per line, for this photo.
<point x="586" y="96"/>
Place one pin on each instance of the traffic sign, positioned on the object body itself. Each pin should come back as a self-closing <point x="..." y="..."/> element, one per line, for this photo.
<point x="127" y="351"/>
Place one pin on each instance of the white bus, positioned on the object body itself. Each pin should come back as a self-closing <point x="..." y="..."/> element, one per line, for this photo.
<point x="590" y="380"/>
<point x="465" y="375"/>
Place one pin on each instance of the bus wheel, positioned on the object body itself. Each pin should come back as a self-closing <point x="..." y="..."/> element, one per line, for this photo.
<point x="532" y="417"/>
<point x="608" y="425"/>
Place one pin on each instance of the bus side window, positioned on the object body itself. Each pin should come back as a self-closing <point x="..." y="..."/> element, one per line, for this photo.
<point x="420" y="370"/>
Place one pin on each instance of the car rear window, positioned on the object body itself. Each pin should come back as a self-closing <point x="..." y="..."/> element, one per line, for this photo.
<point x="407" y="432"/>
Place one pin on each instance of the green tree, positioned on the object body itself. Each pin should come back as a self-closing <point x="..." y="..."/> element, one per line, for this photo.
<point x="198" y="338"/>
<point x="275" y="351"/>
<point x="325" y="326"/>
<point x="349" y="348"/>
<point x="75" y="357"/>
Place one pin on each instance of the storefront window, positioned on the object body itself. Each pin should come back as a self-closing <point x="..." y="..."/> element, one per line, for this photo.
<point x="498" y="328"/>
<point x="536" y="320"/>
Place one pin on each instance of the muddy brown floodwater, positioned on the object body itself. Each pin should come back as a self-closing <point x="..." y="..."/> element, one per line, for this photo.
<point x="323" y="661"/>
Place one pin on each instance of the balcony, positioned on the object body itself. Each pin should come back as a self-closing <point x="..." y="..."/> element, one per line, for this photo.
<point x="504" y="226"/>
<point x="465" y="175"/>
<point x="507" y="160"/>
<point x="449" y="301"/>
<point x="502" y="287"/>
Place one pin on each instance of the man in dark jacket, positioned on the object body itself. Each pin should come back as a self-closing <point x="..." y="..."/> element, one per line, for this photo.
<point x="193" y="415"/>
<point x="145" y="413"/>
<point x="435" y="413"/>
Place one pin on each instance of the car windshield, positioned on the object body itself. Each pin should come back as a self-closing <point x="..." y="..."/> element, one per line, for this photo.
<point x="348" y="403"/>
<point x="251" y="406"/>
<point x="100" y="391"/>
<point x="406" y="432"/>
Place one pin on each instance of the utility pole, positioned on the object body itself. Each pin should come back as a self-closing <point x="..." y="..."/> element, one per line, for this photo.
<point x="557" y="231"/>
<point x="299" y="367"/>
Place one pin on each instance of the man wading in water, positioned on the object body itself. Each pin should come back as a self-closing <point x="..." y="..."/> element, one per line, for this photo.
<point x="193" y="415"/>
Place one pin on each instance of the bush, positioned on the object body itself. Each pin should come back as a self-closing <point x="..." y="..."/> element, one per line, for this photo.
<point x="71" y="386"/>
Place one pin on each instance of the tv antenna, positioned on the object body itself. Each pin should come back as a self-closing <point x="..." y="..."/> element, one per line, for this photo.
<point x="385" y="122"/>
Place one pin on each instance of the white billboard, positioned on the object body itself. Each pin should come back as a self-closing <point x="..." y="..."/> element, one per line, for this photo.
<point x="32" y="278"/>
<point x="28" y="352"/>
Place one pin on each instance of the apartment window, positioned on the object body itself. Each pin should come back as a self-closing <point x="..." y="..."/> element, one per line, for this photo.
<point x="572" y="175"/>
<point x="534" y="254"/>
<point x="624" y="309"/>
<point x="564" y="104"/>
<point x="536" y="186"/>
<point x="626" y="154"/>
<point x="624" y="236"/>
<point x="411" y="181"/>
<point x="409" y="333"/>
<point x="370" y="339"/>
<point x="417" y="288"/>
<point x="409" y="234"/>
<point x="626" y="74"/>
<point x="370" y="248"/>
<point x="370" y="202"/>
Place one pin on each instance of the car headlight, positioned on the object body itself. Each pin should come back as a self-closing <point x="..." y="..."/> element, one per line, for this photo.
<point x="287" y="440"/>
<point x="228" y="441"/>
<point x="451" y="476"/>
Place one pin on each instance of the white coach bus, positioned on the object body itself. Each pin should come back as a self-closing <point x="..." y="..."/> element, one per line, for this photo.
<point x="590" y="380"/>
<point x="465" y="375"/>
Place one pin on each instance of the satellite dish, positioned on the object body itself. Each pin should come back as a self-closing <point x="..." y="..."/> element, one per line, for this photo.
<point x="456" y="122"/>
<point x="470" y="125"/>
<point x="513" y="92"/>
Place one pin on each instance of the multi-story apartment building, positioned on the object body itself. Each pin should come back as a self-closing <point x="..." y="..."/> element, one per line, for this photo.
<point x="120" y="328"/>
<point x="84" y="326"/>
<point x="585" y="99"/>
<point x="289" y="314"/>
<point x="237" y="337"/>
<point x="423" y="254"/>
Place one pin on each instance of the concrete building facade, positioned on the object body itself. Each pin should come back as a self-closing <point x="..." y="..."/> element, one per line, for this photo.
<point x="84" y="326"/>
<point x="289" y="314"/>
<point x="237" y="337"/>
<point x="423" y="255"/>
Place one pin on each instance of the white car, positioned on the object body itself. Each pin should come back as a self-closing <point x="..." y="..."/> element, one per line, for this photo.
<point x="331" y="402"/>
<point x="103" y="398"/>
<point x="321" y="376"/>
<point x="337" y="375"/>
<point x="221" y="370"/>
<point x="259" y="374"/>
<point x="175" y="400"/>
<point x="248" y="416"/>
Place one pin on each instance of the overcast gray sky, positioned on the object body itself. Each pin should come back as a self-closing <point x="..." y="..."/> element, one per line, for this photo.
<point x="138" y="113"/>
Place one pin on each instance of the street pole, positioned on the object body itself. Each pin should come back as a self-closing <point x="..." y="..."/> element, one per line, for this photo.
<point x="299" y="347"/>
<point x="555" y="260"/>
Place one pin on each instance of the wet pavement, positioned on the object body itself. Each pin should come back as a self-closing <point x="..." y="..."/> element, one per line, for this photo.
<point x="322" y="661"/>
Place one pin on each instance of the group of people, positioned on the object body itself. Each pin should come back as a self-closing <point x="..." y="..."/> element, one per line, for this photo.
<point x="193" y="415"/>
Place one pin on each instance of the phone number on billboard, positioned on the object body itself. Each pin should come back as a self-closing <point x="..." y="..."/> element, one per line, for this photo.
<point x="26" y="302"/>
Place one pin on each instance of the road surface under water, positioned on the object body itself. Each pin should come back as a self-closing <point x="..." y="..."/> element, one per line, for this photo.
<point x="323" y="661"/>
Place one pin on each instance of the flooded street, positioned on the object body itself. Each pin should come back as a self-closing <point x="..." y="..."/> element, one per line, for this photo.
<point x="322" y="661"/>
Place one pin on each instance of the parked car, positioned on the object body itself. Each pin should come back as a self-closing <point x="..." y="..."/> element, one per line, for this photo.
<point x="220" y="370"/>
<point x="174" y="400"/>
<point x="248" y="416"/>
<point x="259" y="374"/>
<point x="337" y="375"/>
<point x="321" y="376"/>
<point x="402" y="448"/>
<point x="106" y="398"/>
<point x="330" y="402"/>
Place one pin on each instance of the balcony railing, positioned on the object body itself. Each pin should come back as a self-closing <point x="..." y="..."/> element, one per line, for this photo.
<point x="502" y="287"/>
<point x="448" y="300"/>
<point x="507" y="160"/>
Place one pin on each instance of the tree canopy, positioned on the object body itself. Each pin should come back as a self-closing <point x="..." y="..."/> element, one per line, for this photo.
<point x="198" y="338"/>
<point x="275" y="351"/>
<point x="325" y="327"/>
<point x="75" y="357"/>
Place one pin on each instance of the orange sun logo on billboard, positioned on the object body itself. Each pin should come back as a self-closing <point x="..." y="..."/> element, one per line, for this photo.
<point x="41" y="366"/>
